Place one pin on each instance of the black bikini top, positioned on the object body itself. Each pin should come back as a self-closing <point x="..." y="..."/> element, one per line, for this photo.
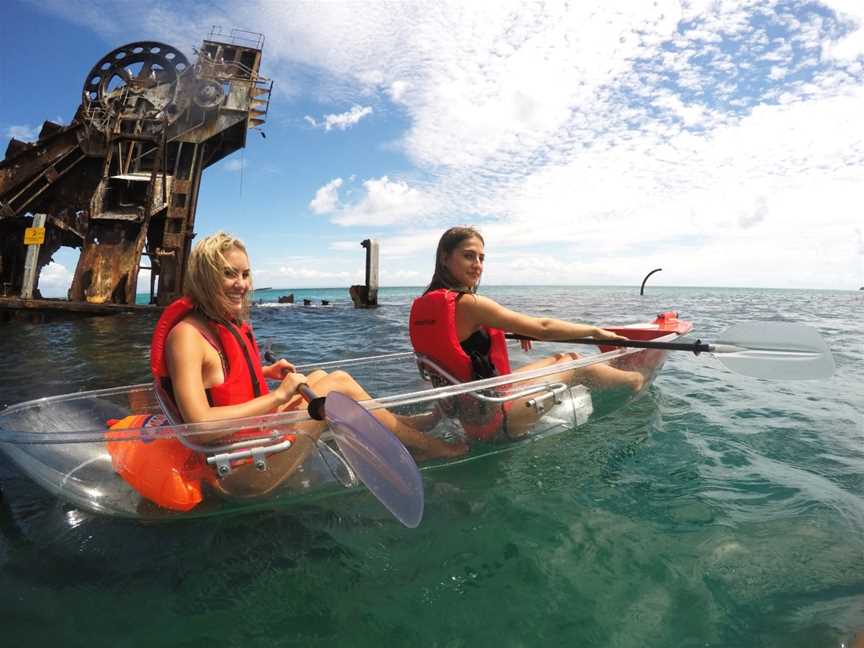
<point x="477" y="342"/>
<point x="477" y="346"/>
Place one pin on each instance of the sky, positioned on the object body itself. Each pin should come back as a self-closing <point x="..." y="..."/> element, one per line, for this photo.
<point x="590" y="142"/>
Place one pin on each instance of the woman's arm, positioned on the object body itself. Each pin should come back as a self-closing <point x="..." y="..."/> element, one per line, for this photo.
<point x="185" y="353"/>
<point x="474" y="311"/>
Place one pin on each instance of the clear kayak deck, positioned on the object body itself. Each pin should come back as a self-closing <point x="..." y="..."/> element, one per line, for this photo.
<point x="61" y="442"/>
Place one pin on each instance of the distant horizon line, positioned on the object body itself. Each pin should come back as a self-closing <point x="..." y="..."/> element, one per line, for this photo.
<point x="346" y="288"/>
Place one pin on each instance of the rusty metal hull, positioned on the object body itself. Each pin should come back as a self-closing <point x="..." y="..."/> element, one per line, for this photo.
<point x="121" y="181"/>
<point x="40" y="310"/>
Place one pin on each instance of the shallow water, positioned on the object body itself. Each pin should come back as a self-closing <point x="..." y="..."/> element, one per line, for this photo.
<point x="720" y="510"/>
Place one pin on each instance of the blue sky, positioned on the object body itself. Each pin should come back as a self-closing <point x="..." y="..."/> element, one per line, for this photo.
<point x="590" y="142"/>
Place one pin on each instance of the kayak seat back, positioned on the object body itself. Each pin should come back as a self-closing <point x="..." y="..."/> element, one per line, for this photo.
<point x="481" y="416"/>
<point x="482" y="413"/>
<point x="166" y="403"/>
<point x="431" y="372"/>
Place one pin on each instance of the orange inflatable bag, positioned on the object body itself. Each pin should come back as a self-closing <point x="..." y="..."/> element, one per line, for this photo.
<point x="163" y="470"/>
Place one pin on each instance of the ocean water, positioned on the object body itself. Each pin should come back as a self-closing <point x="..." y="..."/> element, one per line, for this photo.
<point x="718" y="510"/>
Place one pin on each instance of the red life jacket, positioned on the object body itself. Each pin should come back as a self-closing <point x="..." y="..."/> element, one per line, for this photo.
<point x="432" y="327"/>
<point x="244" y="380"/>
<point x="163" y="470"/>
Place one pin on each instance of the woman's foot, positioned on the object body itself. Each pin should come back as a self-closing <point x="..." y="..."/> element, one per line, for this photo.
<point x="636" y="381"/>
<point x="439" y="449"/>
<point x="422" y="422"/>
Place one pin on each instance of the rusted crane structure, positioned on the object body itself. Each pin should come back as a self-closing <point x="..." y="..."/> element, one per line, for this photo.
<point x="121" y="180"/>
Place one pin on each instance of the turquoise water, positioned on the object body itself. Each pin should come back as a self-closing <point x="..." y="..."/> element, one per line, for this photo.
<point x="719" y="510"/>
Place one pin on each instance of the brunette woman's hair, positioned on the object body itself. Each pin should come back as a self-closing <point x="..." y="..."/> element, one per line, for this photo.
<point x="205" y="273"/>
<point x="450" y="240"/>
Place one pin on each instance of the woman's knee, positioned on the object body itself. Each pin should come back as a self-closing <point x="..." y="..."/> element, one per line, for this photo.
<point x="342" y="377"/>
<point x="315" y="376"/>
<point x="343" y="381"/>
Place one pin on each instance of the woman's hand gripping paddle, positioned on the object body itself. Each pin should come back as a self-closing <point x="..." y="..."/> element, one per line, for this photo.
<point x="374" y="453"/>
<point x="774" y="350"/>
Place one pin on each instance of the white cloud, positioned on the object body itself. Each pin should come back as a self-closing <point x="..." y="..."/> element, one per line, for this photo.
<point x="305" y="272"/>
<point x="382" y="202"/>
<point x="759" y="213"/>
<point x="343" y="246"/>
<point x="398" y="277"/>
<point x="385" y="202"/>
<point x="720" y="134"/>
<point x="235" y="164"/>
<point x="398" y="89"/>
<point x="115" y="21"/>
<point x="23" y="133"/>
<point x="341" y="121"/>
<point x="326" y="200"/>
<point x="851" y="45"/>
<point x="54" y="280"/>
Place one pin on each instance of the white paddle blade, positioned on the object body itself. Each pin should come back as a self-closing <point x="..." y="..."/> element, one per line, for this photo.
<point x="775" y="350"/>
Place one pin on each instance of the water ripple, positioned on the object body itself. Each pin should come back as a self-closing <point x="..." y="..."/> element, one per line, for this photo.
<point x="718" y="510"/>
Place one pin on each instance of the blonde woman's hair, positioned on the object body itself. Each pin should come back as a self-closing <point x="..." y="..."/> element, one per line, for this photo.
<point x="205" y="274"/>
<point x="450" y="240"/>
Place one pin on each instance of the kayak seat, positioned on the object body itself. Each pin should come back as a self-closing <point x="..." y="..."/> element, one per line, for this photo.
<point x="226" y="457"/>
<point x="456" y="405"/>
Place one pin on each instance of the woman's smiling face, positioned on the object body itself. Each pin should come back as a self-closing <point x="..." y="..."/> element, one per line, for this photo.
<point x="465" y="262"/>
<point x="236" y="280"/>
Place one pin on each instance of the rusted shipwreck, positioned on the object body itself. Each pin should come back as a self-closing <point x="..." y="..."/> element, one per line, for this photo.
<point x="121" y="180"/>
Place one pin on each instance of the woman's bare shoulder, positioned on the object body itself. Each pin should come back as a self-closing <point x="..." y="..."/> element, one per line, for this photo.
<point x="478" y="302"/>
<point x="478" y="310"/>
<point x="186" y="332"/>
<point x="487" y="312"/>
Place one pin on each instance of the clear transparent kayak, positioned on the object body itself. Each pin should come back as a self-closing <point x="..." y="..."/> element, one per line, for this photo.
<point x="65" y="445"/>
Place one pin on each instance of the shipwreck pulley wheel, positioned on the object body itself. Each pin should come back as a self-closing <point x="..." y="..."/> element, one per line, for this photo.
<point x="208" y="94"/>
<point x="135" y="81"/>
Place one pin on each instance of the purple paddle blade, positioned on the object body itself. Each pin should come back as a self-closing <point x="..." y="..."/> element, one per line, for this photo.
<point x="378" y="457"/>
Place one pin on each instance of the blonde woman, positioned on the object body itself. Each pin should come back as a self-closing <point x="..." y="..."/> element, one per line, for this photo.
<point x="205" y="354"/>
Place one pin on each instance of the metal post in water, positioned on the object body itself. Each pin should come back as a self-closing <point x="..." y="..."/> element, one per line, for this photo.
<point x="371" y="246"/>
<point x="367" y="296"/>
<point x="34" y="237"/>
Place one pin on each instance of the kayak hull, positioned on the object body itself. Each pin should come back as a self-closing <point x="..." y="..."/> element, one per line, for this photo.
<point x="60" y="442"/>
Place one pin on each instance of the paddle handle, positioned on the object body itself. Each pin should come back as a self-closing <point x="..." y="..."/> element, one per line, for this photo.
<point x="316" y="403"/>
<point x="696" y="347"/>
